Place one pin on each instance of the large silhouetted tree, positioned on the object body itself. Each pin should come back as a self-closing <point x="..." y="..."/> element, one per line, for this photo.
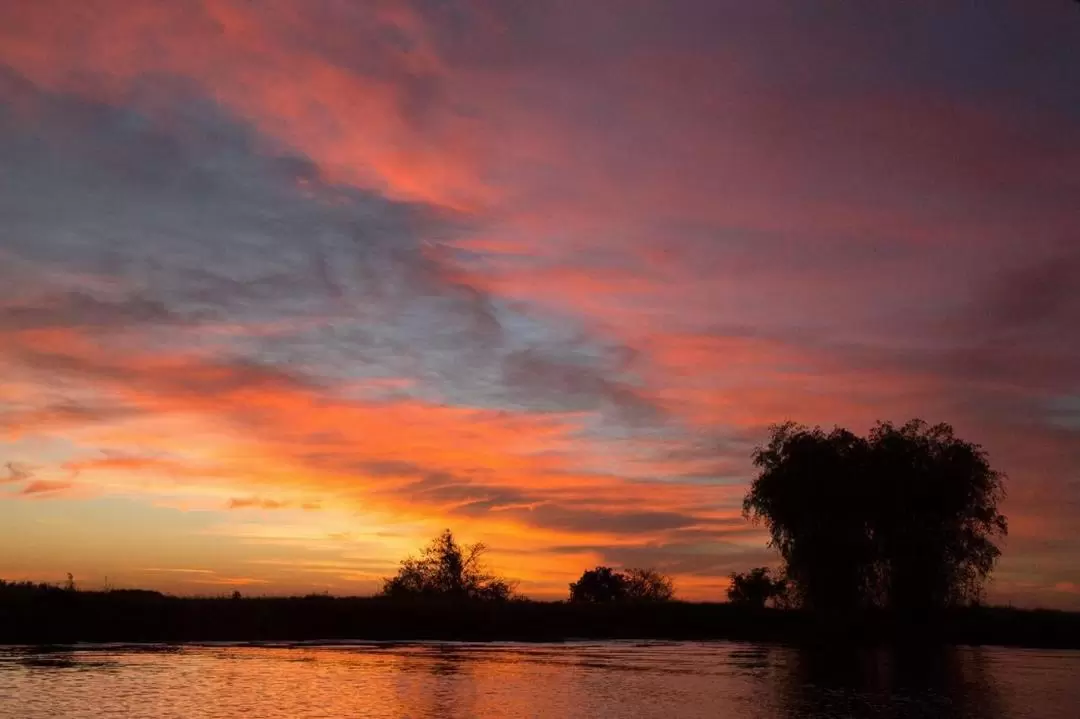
<point x="446" y="569"/>
<point x="904" y="518"/>
<point x="937" y="519"/>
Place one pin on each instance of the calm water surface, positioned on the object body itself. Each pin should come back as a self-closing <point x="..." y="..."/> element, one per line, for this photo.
<point x="613" y="679"/>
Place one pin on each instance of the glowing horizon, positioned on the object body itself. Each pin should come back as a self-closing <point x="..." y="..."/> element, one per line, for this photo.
<point x="290" y="287"/>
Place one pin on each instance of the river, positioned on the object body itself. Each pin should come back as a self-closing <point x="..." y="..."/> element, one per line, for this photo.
<point x="610" y="679"/>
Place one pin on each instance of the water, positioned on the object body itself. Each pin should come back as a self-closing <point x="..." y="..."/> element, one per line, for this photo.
<point x="611" y="679"/>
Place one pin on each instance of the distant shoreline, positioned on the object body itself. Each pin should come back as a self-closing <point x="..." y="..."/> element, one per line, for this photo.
<point x="57" y="616"/>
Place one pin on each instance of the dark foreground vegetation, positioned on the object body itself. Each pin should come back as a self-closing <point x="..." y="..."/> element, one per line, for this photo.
<point x="887" y="538"/>
<point x="37" y="614"/>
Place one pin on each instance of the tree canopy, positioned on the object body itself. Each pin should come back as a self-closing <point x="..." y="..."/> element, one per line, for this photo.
<point x="446" y="569"/>
<point x="756" y="587"/>
<point x="604" y="584"/>
<point x="905" y="518"/>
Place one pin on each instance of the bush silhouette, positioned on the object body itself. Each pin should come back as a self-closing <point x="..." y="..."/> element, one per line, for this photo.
<point x="756" y="587"/>
<point x="904" y="518"/>
<point x="446" y="569"/>
<point x="648" y="585"/>
<point x="604" y="584"/>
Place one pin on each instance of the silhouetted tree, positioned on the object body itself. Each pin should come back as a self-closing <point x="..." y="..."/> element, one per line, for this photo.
<point x="756" y="587"/>
<point x="935" y="516"/>
<point x="648" y="585"/>
<point x="808" y="493"/>
<point x="448" y="570"/>
<point x="904" y="518"/>
<point x="604" y="584"/>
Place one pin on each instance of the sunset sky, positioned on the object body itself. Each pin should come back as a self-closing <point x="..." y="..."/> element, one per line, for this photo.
<point x="287" y="287"/>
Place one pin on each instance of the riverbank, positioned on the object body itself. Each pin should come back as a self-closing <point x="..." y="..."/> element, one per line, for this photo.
<point x="53" y="615"/>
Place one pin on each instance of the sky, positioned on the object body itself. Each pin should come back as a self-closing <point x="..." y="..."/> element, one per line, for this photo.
<point x="287" y="287"/>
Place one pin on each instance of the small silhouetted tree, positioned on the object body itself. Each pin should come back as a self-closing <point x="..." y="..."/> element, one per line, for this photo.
<point x="604" y="584"/>
<point x="446" y="569"/>
<point x="756" y="587"/>
<point x="904" y="518"/>
<point x="648" y="585"/>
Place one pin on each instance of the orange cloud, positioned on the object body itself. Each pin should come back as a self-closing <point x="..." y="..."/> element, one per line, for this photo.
<point x="45" y="487"/>
<point x="278" y="432"/>
<point x="262" y="503"/>
<point x="355" y="125"/>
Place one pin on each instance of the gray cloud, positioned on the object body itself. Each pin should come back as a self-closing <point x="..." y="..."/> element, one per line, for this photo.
<point x="629" y="523"/>
<point x="192" y="212"/>
<point x="574" y="381"/>
<point x="1012" y="332"/>
<point x="166" y="211"/>
<point x="16" y="473"/>
<point x="1037" y="296"/>
<point x="75" y="309"/>
<point x="478" y="496"/>
<point x="715" y="557"/>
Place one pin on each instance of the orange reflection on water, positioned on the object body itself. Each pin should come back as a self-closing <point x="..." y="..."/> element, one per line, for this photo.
<point x="612" y="679"/>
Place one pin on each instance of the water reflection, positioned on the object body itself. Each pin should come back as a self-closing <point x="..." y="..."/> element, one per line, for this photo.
<point x="448" y="661"/>
<point x="752" y="658"/>
<point x="573" y="680"/>
<point x="60" y="661"/>
<point x="53" y="658"/>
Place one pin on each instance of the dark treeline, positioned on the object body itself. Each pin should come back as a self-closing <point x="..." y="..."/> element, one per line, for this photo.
<point x="37" y="614"/>
<point x="884" y="538"/>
